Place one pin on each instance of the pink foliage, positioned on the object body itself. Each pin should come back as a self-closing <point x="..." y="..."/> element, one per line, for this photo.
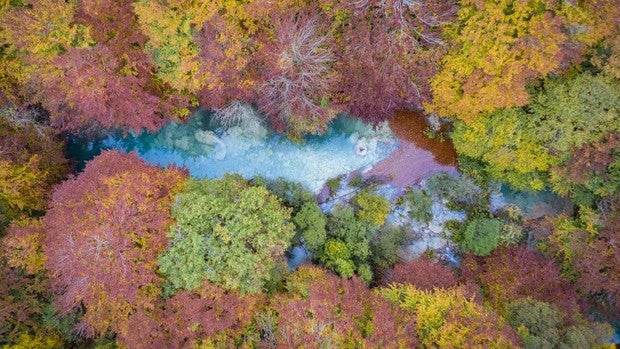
<point x="227" y="78"/>
<point x="297" y="72"/>
<point x="335" y="310"/>
<point x="188" y="317"/>
<point x="105" y="229"/>
<point x="513" y="273"/>
<point x="389" y="51"/>
<point x="424" y="274"/>
<point x="114" y="25"/>
<point x="93" y="93"/>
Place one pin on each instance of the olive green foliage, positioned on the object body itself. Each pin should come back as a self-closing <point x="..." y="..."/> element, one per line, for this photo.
<point x="171" y="31"/>
<point x="31" y="162"/>
<point x="385" y="244"/>
<point x="461" y="191"/>
<point x="292" y="194"/>
<point x="480" y="236"/>
<point x="310" y="223"/>
<point x="371" y="208"/>
<point x="512" y="224"/>
<point x="357" y="181"/>
<point x="420" y="205"/>
<point x="227" y="231"/>
<point x="308" y="218"/>
<point x="521" y="145"/>
<point x="347" y="248"/>
<point x="541" y="325"/>
<point x="333" y="184"/>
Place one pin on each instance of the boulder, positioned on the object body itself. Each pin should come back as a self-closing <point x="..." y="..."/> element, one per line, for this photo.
<point x="206" y="137"/>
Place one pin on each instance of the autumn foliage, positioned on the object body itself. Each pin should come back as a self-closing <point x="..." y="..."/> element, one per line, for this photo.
<point x="31" y="161"/>
<point x="132" y="255"/>
<point x="512" y="273"/>
<point x="447" y="318"/>
<point x="497" y="47"/>
<point x="104" y="231"/>
<point x="323" y="309"/>
<point x="209" y="315"/>
<point x="423" y="273"/>
<point x="24" y="289"/>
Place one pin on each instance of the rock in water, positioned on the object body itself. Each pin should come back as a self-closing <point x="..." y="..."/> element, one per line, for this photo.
<point x="206" y="137"/>
<point x="361" y="147"/>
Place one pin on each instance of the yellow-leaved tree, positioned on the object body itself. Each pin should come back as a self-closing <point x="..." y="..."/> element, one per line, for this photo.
<point x="497" y="46"/>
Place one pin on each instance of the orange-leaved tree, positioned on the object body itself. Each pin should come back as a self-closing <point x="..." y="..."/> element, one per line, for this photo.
<point x="104" y="231"/>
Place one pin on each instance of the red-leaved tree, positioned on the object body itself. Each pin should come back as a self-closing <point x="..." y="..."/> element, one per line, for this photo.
<point x="322" y="309"/>
<point x="389" y="51"/>
<point x="207" y="314"/>
<point x="423" y="273"/>
<point x="516" y="272"/>
<point x="297" y="72"/>
<point x="104" y="231"/>
<point x="93" y="92"/>
<point x="229" y="70"/>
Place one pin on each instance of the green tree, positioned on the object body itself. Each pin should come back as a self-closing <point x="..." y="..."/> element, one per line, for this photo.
<point x="522" y="145"/>
<point x="347" y="248"/>
<point x="541" y="325"/>
<point x="385" y="244"/>
<point x="480" y="236"/>
<point x="458" y="190"/>
<point x="310" y="223"/>
<point x="228" y="232"/>
<point x="371" y="208"/>
<point x="420" y="205"/>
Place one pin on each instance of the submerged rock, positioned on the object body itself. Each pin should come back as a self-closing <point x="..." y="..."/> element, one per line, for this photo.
<point x="206" y="137"/>
<point x="361" y="147"/>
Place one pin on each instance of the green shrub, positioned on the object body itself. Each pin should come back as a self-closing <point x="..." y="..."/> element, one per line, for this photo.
<point x="357" y="181"/>
<point x="461" y="190"/>
<point x="347" y="248"/>
<point x="541" y="325"/>
<point x="420" y="205"/>
<point x="310" y="223"/>
<point x="480" y="236"/>
<point x="371" y="208"/>
<point x="385" y="244"/>
<point x="333" y="185"/>
<point x="337" y="257"/>
<point x="292" y="194"/>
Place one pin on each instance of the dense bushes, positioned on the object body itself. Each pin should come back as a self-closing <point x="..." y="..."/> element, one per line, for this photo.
<point x="228" y="232"/>
<point x="31" y="161"/>
<point x="541" y="325"/>
<point x="480" y="236"/>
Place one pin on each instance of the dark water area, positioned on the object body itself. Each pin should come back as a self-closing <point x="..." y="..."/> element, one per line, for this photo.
<point x="80" y="150"/>
<point x="417" y="156"/>
<point x="409" y="127"/>
<point x="535" y="204"/>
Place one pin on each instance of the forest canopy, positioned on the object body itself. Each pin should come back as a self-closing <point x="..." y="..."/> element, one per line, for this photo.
<point x="123" y="253"/>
